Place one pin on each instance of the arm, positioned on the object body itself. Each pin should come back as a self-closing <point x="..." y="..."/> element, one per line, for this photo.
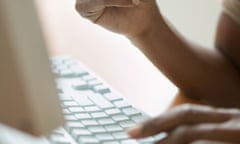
<point x="200" y="73"/>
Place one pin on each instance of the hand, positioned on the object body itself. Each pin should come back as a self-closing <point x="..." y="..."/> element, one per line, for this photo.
<point x="129" y="17"/>
<point x="191" y="123"/>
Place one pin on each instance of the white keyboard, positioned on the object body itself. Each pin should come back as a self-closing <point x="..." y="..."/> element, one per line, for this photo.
<point x="94" y="113"/>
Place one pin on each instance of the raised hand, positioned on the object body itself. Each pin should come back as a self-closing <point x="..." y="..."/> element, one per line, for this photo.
<point x="129" y="17"/>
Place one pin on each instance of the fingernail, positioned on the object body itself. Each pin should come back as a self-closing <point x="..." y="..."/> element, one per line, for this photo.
<point x="136" y="2"/>
<point x="135" y="131"/>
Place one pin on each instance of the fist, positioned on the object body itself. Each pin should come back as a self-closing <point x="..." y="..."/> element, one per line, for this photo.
<point x="129" y="17"/>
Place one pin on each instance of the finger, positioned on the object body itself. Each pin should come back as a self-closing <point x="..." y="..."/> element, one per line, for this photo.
<point x="183" y="115"/>
<point x="84" y="6"/>
<point x="206" y="132"/>
<point x="93" y="5"/>
<point x="90" y="15"/>
<point x="121" y="3"/>
<point x="94" y="9"/>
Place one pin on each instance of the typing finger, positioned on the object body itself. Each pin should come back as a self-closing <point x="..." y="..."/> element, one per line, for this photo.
<point x="183" y="115"/>
<point x="206" y="132"/>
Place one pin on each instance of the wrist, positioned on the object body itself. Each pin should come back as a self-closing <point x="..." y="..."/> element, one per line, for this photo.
<point x="150" y="20"/>
<point x="156" y="27"/>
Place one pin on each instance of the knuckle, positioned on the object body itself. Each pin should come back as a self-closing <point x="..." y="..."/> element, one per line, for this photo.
<point x="186" y="110"/>
<point x="190" y="110"/>
<point x="235" y="112"/>
<point x="150" y="125"/>
<point x="181" y="130"/>
<point x="231" y="112"/>
<point x="185" y="107"/>
<point x="180" y="135"/>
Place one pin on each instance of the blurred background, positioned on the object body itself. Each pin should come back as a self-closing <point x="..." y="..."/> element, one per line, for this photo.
<point x="114" y="58"/>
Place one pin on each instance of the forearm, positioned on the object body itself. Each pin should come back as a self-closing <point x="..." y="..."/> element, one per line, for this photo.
<point x="198" y="72"/>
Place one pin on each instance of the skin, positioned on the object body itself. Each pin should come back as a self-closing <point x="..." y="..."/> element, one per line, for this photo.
<point x="208" y="75"/>
<point x="209" y="124"/>
<point x="211" y="76"/>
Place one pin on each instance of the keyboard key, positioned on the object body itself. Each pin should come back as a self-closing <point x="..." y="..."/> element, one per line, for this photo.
<point x="97" y="129"/>
<point x="60" y="59"/>
<point x="102" y="89"/>
<point x="129" y="141"/>
<point x="65" y="97"/>
<point x="139" y="118"/>
<point x="62" y="66"/>
<point x="119" y="118"/>
<point x="59" y="140"/>
<point x="70" y="104"/>
<point x="70" y="125"/>
<point x="100" y="101"/>
<point x="89" y="122"/>
<point x="98" y="115"/>
<point x="58" y="137"/>
<point x="92" y="109"/>
<point x="56" y="60"/>
<point x="106" y="121"/>
<point x="63" y="84"/>
<point x="88" y="140"/>
<point x="82" y="116"/>
<point x="82" y="98"/>
<point x="95" y="82"/>
<point x="127" y="124"/>
<point x="131" y="111"/>
<point x="73" y="124"/>
<point x="59" y="132"/>
<point x="122" y="104"/>
<point x="76" y="109"/>
<point x="113" y="111"/>
<point x="59" y="90"/>
<point x="120" y="135"/>
<point x="112" y="96"/>
<point x="66" y="73"/>
<point x="111" y="142"/>
<point x="78" y="71"/>
<point x="104" y="137"/>
<point x="80" y="85"/>
<point x="77" y="133"/>
<point x="69" y="62"/>
<point x="113" y="128"/>
<point x="88" y="78"/>
<point x="70" y="118"/>
<point x="66" y="112"/>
